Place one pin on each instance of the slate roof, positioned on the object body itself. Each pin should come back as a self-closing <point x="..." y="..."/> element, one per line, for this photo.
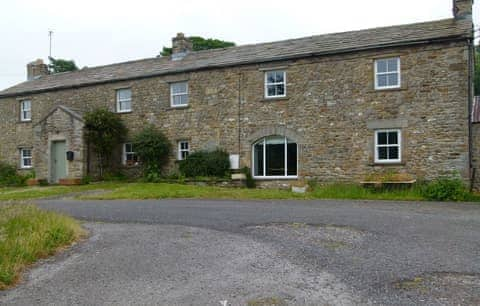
<point x="257" y="53"/>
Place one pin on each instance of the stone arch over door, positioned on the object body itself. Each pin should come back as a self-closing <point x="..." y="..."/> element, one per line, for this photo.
<point x="61" y="124"/>
<point x="277" y="130"/>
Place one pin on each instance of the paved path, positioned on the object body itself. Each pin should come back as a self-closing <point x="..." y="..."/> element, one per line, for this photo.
<point x="200" y="252"/>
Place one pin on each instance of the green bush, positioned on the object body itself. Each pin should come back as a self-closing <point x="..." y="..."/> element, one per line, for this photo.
<point x="152" y="148"/>
<point x="445" y="189"/>
<point x="206" y="163"/>
<point x="9" y="176"/>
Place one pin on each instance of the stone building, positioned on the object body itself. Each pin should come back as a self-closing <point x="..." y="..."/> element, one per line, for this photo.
<point x="335" y="107"/>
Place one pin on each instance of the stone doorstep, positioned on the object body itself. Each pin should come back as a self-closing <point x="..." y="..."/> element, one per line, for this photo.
<point x="70" y="181"/>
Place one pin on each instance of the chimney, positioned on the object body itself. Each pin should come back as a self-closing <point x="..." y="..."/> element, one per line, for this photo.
<point x="181" y="45"/>
<point x="462" y="9"/>
<point x="36" y="69"/>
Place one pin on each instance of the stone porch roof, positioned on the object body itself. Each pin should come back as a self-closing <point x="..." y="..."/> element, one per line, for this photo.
<point x="411" y="34"/>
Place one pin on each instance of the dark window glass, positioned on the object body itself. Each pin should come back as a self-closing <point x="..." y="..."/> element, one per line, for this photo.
<point x="258" y="159"/>
<point x="392" y="138"/>
<point x="291" y="158"/>
<point x="382" y="153"/>
<point x="382" y="138"/>
<point x="393" y="153"/>
<point x="275" y="156"/>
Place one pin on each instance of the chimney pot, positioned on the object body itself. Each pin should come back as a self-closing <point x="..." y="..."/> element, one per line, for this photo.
<point x="36" y="69"/>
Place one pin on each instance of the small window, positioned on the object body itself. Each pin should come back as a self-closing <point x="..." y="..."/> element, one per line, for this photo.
<point x="25" y="158"/>
<point x="387" y="73"/>
<point x="129" y="156"/>
<point x="179" y="94"/>
<point x="124" y="100"/>
<point x="388" y="146"/>
<point x="26" y="110"/>
<point x="275" y="84"/>
<point x="183" y="150"/>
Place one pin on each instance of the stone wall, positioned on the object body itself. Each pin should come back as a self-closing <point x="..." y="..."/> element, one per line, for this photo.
<point x="331" y="110"/>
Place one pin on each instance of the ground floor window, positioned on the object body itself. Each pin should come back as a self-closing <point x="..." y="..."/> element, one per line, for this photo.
<point x="129" y="156"/>
<point x="26" y="158"/>
<point x="183" y="149"/>
<point x="388" y="146"/>
<point x="275" y="157"/>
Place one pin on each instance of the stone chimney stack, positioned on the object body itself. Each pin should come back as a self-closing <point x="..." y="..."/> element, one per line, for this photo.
<point x="181" y="45"/>
<point x="462" y="9"/>
<point x="36" y="69"/>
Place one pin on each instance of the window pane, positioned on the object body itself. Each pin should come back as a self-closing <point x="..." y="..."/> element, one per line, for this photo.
<point x="258" y="159"/>
<point x="128" y="147"/>
<point x="279" y="77"/>
<point x="271" y="77"/>
<point x="381" y="138"/>
<point x="26" y="153"/>
<point x="392" y="138"/>
<point x="382" y="153"/>
<point x="275" y="156"/>
<point x="27" y="162"/>
<point x="382" y="80"/>
<point x="393" y="153"/>
<point x="271" y="90"/>
<point x="124" y="94"/>
<point x="26" y="105"/>
<point x="392" y="79"/>
<point x="291" y="158"/>
<point x="392" y="64"/>
<point x="184" y="154"/>
<point x="280" y="90"/>
<point x="125" y="106"/>
<point x="381" y="66"/>
<point x="180" y="87"/>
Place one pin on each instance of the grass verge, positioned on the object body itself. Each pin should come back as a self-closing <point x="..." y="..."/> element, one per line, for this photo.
<point x="28" y="234"/>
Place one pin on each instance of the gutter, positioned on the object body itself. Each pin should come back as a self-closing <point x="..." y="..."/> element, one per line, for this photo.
<point x="243" y="63"/>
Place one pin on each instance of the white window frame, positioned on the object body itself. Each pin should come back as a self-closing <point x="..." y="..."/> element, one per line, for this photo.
<point x="185" y="93"/>
<point x="399" y="145"/>
<point x="180" y="150"/>
<point x="24" y="111"/>
<point x="398" y="71"/>
<point x="284" y="83"/>
<point x="23" y="157"/>
<point x="277" y="177"/>
<point x="120" y="101"/>
<point x="130" y="152"/>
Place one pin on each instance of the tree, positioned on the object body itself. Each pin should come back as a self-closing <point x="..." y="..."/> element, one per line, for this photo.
<point x="477" y="70"/>
<point x="152" y="148"/>
<point x="200" y="43"/>
<point x="61" y="65"/>
<point x="105" y="131"/>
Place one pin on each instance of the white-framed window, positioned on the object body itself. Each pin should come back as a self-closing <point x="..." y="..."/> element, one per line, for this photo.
<point x="178" y="94"/>
<point x="388" y="146"/>
<point x="275" y="157"/>
<point x="124" y="100"/>
<point x="387" y="73"/>
<point x="129" y="156"/>
<point x="26" y="158"/>
<point x="275" y="84"/>
<point x="26" y="110"/>
<point x="183" y="149"/>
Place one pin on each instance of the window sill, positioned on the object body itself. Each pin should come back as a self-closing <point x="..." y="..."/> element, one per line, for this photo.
<point x="377" y="90"/>
<point x="24" y="168"/>
<point x="178" y="107"/>
<point x="383" y="164"/>
<point x="275" y="99"/>
<point x="24" y="121"/>
<point x="124" y="112"/>
<point x="271" y="178"/>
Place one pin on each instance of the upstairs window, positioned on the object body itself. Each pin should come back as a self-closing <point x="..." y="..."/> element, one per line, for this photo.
<point x="275" y="84"/>
<point x="183" y="150"/>
<point x="388" y="146"/>
<point x="387" y="73"/>
<point x="178" y="94"/>
<point x="124" y="100"/>
<point x="129" y="156"/>
<point x="25" y="158"/>
<point x="26" y="110"/>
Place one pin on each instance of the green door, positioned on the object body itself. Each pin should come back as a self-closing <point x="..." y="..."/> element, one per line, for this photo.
<point x="59" y="161"/>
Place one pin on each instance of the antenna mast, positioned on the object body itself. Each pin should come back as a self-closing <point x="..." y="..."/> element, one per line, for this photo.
<point x="50" y="33"/>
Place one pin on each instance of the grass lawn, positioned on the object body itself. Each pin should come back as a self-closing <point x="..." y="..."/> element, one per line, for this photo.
<point x="27" y="234"/>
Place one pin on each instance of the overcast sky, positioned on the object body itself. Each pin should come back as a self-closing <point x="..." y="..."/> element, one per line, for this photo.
<point x="99" y="32"/>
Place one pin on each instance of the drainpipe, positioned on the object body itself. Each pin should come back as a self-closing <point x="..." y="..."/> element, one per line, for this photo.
<point x="240" y="79"/>
<point x="471" y="63"/>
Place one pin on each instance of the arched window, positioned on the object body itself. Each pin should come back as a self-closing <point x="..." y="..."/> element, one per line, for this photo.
<point x="275" y="157"/>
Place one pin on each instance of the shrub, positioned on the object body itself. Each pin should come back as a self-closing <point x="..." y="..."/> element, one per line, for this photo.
<point x="152" y="148"/>
<point x="206" y="163"/>
<point x="445" y="189"/>
<point x="9" y="176"/>
<point x="105" y="131"/>
<point x="249" y="181"/>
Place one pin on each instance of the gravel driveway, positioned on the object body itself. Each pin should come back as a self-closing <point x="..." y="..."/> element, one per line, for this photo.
<point x="199" y="252"/>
